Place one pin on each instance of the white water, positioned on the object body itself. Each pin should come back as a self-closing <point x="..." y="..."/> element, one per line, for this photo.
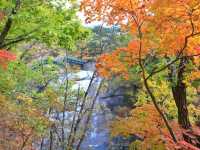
<point x="97" y="137"/>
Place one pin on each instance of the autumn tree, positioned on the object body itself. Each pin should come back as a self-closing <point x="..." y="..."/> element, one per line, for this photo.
<point x="146" y="123"/>
<point x="167" y="29"/>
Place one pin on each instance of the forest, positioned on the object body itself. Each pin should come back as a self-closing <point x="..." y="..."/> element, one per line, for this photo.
<point x="99" y="75"/>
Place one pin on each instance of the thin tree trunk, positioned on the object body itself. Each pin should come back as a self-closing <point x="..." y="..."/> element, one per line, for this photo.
<point x="50" y="133"/>
<point x="80" y="115"/>
<point x="51" y="140"/>
<point x="63" y="120"/>
<point x="89" y="117"/>
<point x="65" y="105"/>
<point x="145" y="80"/>
<point x="153" y="98"/>
<point x="74" y="118"/>
<point x="41" y="144"/>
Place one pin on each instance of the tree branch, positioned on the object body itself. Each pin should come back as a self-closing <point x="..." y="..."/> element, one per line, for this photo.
<point x="9" y="22"/>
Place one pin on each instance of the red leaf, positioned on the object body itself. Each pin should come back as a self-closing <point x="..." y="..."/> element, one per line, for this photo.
<point x="7" y="55"/>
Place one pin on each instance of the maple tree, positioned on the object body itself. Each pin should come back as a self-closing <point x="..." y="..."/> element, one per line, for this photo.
<point x="167" y="29"/>
<point x="146" y="123"/>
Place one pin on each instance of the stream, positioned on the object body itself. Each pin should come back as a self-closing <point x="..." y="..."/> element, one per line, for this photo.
<point x="98" y="136"/>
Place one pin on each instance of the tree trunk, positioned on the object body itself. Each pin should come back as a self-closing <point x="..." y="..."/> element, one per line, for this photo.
<point x="180" y="96"/>
<point x="51" y="140"/>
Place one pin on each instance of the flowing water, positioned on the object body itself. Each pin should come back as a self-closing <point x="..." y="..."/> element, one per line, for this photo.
<point x="98" y="136"/>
